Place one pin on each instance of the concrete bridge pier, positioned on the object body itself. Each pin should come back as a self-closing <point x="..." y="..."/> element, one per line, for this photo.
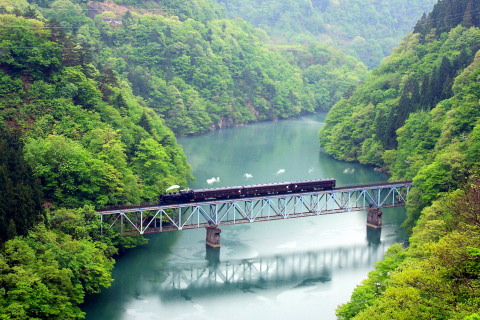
<point x="374" y="218"/>
<point x="213" y="237"/>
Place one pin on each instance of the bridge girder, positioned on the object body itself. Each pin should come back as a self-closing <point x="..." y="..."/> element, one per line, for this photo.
<point x="152" y="219"/>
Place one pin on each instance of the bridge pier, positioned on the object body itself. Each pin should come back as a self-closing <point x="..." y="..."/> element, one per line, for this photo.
<point x="213" y="236"/>
<point x="374" y="218"/>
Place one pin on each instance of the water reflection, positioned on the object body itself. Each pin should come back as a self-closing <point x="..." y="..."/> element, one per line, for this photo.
<point x="293" y="270"/>
<point x="373" y="236"/>
<point x="274" y="268"/>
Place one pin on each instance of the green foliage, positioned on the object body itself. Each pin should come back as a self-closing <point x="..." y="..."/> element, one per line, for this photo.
<point x="329" y="74"/>
<point x="200" y="10"/>
<point x="81" y="126"/>
<point x="8" y="6"/>
<point x="84" y="223"/>
<point x="447" y="15"/>
<point x="204" y="75"/>
<point x="400" y="119"/>
<point x="151" y="160"/>
<point x="438" y="275"/>
<point x="69" y="174"/>
<point x="372" y="288"/>
<point x="440" y="285"/>
<point x="431" y="132"/>
<point x="367" y="30"/>
<point x="69" y="136"/>
<point x="76" y="86"/>
<point x="68" y="13"/>
<point x="46" y="274"/>
<point x="20" y="197"/>
<point x="26" y="48"/>
<point x="197" y="74"/>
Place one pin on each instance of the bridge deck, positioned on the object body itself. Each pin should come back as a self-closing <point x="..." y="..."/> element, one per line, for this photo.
<point x="153" y="218"/>
<point x="155" y="206"/>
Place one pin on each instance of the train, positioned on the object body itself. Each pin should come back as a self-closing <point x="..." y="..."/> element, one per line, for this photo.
<point x="259" y="190"/>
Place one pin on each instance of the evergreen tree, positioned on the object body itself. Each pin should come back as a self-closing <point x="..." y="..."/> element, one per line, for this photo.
<point x="420" y="27"/>
<point x="426" y="93"/>
<point x="448" y="14"/>
<point x="445" y="79"/>
<point x="144" y="122"/>
<point x="20" y="196"/>
<point x="468" y="21"/>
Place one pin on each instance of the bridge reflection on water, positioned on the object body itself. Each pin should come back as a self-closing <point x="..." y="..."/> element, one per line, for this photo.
<point x="294" y="270"/>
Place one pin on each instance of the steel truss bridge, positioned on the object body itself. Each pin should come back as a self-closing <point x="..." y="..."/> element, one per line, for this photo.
<point x="162" y="218"/>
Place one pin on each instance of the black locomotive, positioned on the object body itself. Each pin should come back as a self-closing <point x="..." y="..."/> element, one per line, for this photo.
<point x="199" y="195"/>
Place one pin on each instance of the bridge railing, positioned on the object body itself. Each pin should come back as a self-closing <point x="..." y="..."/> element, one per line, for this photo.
<point x="163" y="218"/>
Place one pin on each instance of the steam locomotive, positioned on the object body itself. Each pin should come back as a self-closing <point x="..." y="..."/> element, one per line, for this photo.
<point x="199" y="195"/>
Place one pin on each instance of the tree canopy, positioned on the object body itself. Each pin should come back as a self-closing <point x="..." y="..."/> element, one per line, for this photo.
<point x="197" y="70"/>
<point x="417" y="117"/>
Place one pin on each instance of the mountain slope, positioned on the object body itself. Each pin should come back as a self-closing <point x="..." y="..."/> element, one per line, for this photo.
<point x="418" y="116"/>
<point x="198" y="71"/>
<point x="367" y="30"/>
<point x="86" y="135"/>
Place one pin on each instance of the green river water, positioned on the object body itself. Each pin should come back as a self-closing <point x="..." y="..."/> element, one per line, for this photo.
<point x="288" y="269"/>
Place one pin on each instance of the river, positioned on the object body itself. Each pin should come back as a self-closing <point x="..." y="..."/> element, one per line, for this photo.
<point x="289" y="269"/>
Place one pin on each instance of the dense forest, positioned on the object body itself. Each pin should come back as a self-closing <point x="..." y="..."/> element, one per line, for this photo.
<point x="94" y="92"/>
<point x="198" y="70"/>
<point x="73" y="135"/>
<point x="417" y="117"/>
<point x="367" y="30"/>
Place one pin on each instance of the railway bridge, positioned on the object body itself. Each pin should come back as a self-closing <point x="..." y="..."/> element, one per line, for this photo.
<point x="211" y="214"/>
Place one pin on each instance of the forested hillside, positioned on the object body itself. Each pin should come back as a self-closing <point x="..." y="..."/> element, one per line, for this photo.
<point x="200" y="76"/>
<point x="85" y="134"/>
<point x="367" y="30"/>
<point x="72" y="135"/>
<point x="417" y="117"/>
<point x="199" y="71"/>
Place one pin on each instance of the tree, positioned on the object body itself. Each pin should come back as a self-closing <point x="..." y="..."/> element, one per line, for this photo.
<point x="47" y="274"/>
<point x="27" y="51"/>
<point x="83" y="91"/>
<point x="151" y="161"/>
<point x="20" y="198"/>
<point x="70" y="175"/>
<point x="372" y="288"/>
